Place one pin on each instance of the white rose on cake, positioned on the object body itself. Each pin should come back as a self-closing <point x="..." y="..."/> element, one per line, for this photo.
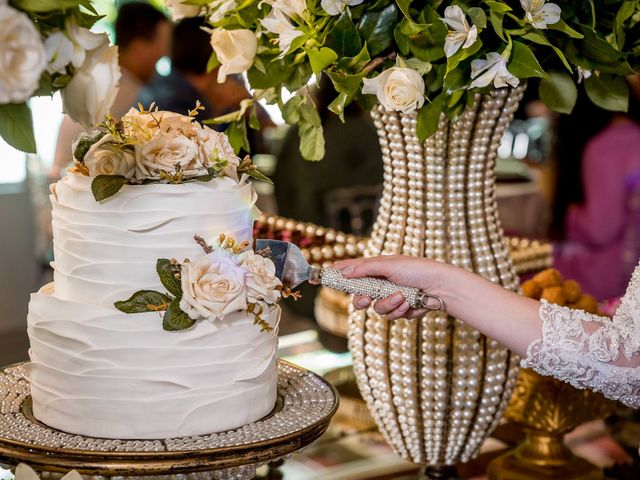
<point x="261" y="280"/>
<point x="22" y="56"/>
<point x="397" y="88"/>
<point x="94" y="86"/>
<point x="169" y="152"/>
<point x="107" y="157"/>
<point x="213" y="286"/>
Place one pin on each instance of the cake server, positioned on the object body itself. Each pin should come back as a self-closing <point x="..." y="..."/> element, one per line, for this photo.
<point x="293" y="269"/>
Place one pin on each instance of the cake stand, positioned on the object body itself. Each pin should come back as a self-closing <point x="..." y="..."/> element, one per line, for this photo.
<point x="303" y="410"/>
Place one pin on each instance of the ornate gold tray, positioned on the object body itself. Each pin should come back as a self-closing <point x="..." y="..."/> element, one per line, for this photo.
<point x="306" y="402"/>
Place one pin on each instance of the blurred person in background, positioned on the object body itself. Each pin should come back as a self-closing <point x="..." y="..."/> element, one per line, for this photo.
<point x="190" y="82"/>
<point x="142" y="34"/>
<point x="596" y="207"/>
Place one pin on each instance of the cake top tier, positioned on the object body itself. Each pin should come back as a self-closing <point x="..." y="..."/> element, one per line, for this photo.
<point x="154" y="146"/>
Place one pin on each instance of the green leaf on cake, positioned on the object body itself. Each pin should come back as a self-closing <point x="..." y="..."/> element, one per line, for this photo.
<point x="144" y="301"/>
<point x="16" y="126"/>
<point x="175" y="319"/>
<point x="105" y="186"/>
<point x="169" y="276"/>
<point x="85" y="143"/>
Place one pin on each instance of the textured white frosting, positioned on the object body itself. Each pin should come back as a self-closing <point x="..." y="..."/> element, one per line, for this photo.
<point x="105" y="251"/>
<point x="99" y="372"/>
<point x="96" y="371"/>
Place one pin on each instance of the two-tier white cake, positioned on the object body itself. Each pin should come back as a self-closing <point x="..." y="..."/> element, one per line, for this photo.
<point x="100" y="372"/>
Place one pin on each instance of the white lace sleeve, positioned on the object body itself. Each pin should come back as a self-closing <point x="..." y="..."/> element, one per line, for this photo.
<point x="589" y="351"/>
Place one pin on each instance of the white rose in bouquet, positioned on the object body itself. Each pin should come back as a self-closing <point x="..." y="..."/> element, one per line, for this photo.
<point x="290" y="8"/>
<point x="108" y="157"/>
<point x="397" y="88"/>
<point x="336" y="7"/>
<point x="70" y="46"/>
<point x="219" y="8"/>
<point x="261" y="278"/>
<point x="213" y="286"/>
<point x="94" y="86"/>
<point x="216" y="146"/>
<point x="180" y="10"/>
<point x="279" y="23"/>
<point x="169" y="152"/>
<point x="235" y="50"/>
<point x="22" y="56"/>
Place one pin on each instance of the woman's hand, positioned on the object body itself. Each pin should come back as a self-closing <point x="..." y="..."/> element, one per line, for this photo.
<point x="416" y="272"/>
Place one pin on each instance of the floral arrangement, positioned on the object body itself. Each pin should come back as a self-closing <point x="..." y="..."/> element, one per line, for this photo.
<point x="154" y="146"/>
<point x="429" y="57"/>
<point x="25" y="472"/>
<point x="46" y="46"/>
<point x="229" y="277"/>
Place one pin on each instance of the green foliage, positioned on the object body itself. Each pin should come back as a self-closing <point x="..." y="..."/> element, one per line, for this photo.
<point x="143" y="301"/>
<point x="523" y="63"/>
<point x="343" y="38"/>
<point x="608" y="92"/>
<point x="16" y="126"/>
<point x="169" y="274"/>
<point x="558" y="92"/>
<point x="363" y="41"/>
<point x="84" y="144"/>
<point x="175" y="319"/>
<point x="105" y="186"/>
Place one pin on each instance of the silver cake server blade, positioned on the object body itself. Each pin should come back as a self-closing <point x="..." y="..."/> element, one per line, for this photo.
<point x="292" y="268"/>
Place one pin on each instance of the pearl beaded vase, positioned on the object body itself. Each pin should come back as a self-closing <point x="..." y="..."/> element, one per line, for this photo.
<point x="435" y="387"/>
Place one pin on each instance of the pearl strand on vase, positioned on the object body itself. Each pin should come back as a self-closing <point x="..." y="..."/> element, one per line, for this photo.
<point x="505" y="379"/>
<point x="415" y="232"/>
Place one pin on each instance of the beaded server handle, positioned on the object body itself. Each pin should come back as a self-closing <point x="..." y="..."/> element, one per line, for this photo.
<point x="375" y="288"/>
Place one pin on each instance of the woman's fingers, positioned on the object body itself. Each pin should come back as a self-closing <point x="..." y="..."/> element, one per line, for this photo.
<point x="361" y="302"/>
<point x="389" y="304"/>
<point x="366" y="267"/>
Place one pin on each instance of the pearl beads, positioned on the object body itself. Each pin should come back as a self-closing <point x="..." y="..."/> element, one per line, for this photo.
<point x="435" y="387"/>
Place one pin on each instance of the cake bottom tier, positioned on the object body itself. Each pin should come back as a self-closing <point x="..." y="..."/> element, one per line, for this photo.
<point x="102" y="373"/>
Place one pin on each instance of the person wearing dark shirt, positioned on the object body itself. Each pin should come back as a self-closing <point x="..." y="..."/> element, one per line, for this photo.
<point x="188" y="81"/>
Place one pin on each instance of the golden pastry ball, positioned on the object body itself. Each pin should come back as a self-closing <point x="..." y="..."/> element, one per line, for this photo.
<point x="554" y="295"/>
<point x="572" y="291"/>
<point x="531" y="289"/>
<point x="587" y="303"/>
<point x="548" y="278"/>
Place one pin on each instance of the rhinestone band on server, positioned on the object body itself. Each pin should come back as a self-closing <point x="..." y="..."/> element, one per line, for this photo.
<point x="435" y="387"/>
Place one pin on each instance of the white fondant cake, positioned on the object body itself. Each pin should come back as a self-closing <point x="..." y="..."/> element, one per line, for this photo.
<point x="97" y="371"/>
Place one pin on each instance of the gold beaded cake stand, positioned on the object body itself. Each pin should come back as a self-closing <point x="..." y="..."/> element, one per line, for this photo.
<point x="305" y="405"/>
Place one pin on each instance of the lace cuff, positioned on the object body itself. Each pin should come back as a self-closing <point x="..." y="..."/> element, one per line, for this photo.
<point x="570" y="353"/>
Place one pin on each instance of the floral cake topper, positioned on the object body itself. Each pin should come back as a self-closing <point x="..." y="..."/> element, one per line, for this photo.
<point x="155" y="146"/>
<point x="229" y="277"/>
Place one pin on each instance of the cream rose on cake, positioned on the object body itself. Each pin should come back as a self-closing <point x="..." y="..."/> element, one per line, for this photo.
<point x="213" y="286"/>
<point x="217" y="150"/>
<point x="171" y="153"/>
<point x="262" y="283"/>
<point x="108" y="157"/>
